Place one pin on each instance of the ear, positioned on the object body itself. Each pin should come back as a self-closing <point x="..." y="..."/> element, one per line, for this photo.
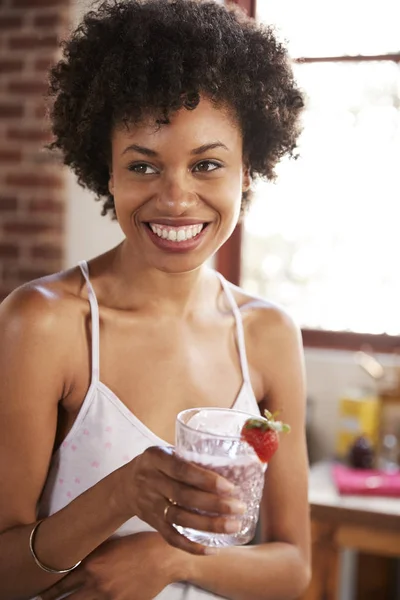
<point x="247" y="180"/>
<point x="111" y="184"/>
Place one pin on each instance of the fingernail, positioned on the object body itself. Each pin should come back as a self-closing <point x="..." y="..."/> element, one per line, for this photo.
<point x="232" y="526"/>
<point x="223" y="485"/>
<point x="237" y="507"/>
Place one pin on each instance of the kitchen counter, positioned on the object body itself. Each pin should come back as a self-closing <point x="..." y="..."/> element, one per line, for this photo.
<point x="342" y="523"/>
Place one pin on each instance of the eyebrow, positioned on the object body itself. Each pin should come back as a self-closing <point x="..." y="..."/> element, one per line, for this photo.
<point x="196" y="151"/>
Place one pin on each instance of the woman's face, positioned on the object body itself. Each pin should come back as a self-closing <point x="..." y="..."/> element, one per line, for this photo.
<point x="177" y="188"/>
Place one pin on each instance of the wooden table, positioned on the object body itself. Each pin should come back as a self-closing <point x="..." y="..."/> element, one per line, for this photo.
<point x="341" y="526"/>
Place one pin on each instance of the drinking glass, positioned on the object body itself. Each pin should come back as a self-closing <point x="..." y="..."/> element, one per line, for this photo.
<point x="210" y="438"/>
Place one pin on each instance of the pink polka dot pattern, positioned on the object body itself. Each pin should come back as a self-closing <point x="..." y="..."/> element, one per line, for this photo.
<point x="105" y="436"/>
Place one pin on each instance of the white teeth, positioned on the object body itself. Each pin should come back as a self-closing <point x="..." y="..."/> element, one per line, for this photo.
<point x="176" y="234"/>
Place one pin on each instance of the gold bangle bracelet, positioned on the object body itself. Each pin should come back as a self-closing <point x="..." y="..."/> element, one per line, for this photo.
<point x="38" y="562"/>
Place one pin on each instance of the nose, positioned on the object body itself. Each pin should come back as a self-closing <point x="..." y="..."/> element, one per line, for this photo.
<point x="176" y="196"/>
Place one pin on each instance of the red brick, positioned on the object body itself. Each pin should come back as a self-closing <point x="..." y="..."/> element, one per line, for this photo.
<point x="34" y="180"/>
<point x="49" y="20"/>
<point x="11" y="66"/>
<point x="32" y="42"/>
<point x="52" y="252"/>
<point x="27" y="228"/>
<point x="41" y="111"/>
<point x="28" y="87"/>
<point x="9" y="251"/>
<point x="4" y="292"/>
<point x="42" y="156"/>
<point x="10" y="271"/>
<point x="37" y="3"/>
<point x="28" y="135"/>
<point x="11" y="110"/>
<point x="44" y="64"/>
<point x="45" y="205"/>
<point x="9" y="156"/>
<point x="28" y="274"/>
<point x="10" y="21"/>
<point x="8" y="204"/>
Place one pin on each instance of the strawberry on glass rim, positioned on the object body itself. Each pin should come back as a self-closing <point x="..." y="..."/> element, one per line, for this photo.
<point x="263" y="435"/>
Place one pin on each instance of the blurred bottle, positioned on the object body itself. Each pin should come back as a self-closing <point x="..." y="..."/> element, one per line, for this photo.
<point x="359" y="417"/>
<point x="388" y="459"/>
<point x="361" y="454"/>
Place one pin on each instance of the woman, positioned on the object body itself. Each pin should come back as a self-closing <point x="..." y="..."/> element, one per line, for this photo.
<point x="166" y="110"/>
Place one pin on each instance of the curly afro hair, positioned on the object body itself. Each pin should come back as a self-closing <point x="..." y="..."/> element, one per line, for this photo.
<point x="129" y="58"/>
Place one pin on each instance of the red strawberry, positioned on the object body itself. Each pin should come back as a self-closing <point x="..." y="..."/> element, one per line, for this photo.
<point x="263" y="435"/>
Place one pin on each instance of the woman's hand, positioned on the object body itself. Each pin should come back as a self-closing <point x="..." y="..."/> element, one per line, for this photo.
<point x="161" y="489"/>
<point x="136" y="567"/>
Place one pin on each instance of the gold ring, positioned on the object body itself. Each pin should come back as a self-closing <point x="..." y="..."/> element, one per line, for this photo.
<point x="166" y="509"/>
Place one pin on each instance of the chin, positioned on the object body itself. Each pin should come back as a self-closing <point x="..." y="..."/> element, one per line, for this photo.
<point x="181" y="264"/>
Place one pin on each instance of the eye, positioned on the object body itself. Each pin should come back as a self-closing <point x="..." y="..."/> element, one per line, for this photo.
<point x="142" y="169"/>
<point x="207" y="166"/>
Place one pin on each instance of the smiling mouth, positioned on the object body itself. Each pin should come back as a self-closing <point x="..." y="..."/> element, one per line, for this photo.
<point x="177" y="234"/>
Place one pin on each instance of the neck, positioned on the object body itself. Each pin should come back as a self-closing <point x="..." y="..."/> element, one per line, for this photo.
<point x="174" y="294"/>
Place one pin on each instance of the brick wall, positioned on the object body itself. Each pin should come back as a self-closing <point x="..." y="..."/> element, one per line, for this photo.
<point x="32" y="182"/>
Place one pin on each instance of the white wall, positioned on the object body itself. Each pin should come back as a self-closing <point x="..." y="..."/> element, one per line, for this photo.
<point x="87" y="232"/>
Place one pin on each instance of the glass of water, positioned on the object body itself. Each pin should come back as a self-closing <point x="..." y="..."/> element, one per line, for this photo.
<point x="210" y="438"/>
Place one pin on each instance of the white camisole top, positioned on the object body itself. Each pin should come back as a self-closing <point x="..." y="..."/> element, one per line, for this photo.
<point x="106" y="434"/>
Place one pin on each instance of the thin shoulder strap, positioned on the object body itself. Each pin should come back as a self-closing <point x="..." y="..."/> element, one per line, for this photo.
<point x="239" y="328"/>
<point x="94" y="311"/>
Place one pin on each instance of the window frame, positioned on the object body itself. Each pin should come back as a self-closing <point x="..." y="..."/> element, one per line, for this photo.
<point x="228" y="258"/>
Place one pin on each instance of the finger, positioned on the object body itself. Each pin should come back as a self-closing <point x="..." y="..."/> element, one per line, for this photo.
<point x="186" y="472"/>
<point x="198" y="500"/>
<point x="176" y="539"/>
<point x="178" y="516"/>
<point x="68" y="584"/>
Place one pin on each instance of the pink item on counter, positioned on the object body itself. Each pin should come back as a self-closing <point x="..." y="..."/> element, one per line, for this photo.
<point x="366" y="482"/>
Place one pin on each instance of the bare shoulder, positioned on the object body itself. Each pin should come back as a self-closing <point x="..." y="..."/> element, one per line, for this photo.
<point x="265" y="321"/>
<point x="40" y="310"/>
<point x="35" y="366"/>
<point x="274" y="349"/>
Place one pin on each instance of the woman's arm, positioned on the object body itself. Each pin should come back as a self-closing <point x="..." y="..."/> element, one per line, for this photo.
<point x="33" y="362"/>
<point x="35" y="349"/>
<point x="278" y="569"/>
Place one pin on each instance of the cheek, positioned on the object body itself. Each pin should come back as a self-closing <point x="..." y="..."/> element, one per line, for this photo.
<point x="127" y="194"/>
<point x="231" y="196"/>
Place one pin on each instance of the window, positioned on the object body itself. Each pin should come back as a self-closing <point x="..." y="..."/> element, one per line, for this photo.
<point x="322" y="240"/>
